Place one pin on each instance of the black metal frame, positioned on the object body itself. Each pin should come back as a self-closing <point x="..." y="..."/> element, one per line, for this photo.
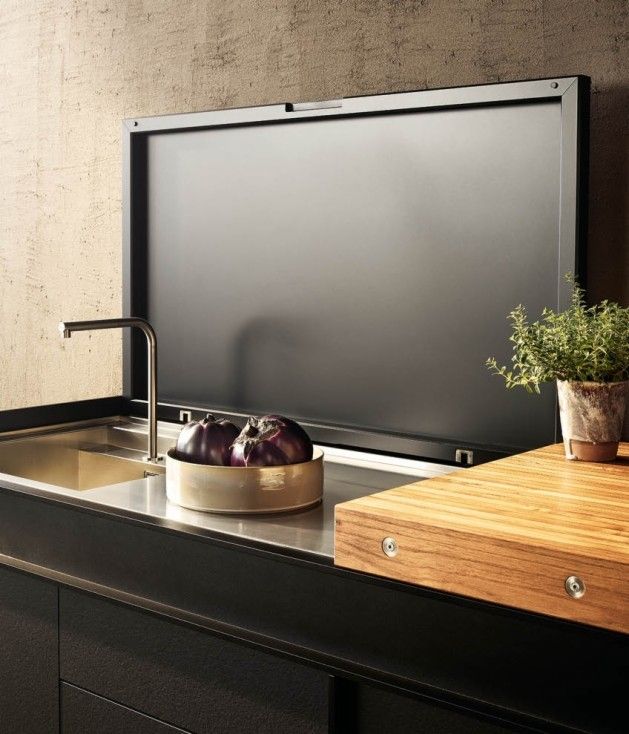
<point x="572" y="92"/>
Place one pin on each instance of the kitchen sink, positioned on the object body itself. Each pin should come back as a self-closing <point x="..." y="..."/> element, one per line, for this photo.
<point x="85" y="457"/>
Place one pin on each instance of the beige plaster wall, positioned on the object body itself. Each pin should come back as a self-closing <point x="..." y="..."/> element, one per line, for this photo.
<point x="70" y="71"/>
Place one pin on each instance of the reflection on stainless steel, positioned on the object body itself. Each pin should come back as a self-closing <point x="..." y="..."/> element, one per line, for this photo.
<point x="67" y="327"/>
<point x="76" y="459"/>
<point x="308" y="531"/>
<point x="239" y="490"/>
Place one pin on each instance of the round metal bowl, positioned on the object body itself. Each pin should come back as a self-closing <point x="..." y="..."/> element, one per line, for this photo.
<point x="244" y="490"/>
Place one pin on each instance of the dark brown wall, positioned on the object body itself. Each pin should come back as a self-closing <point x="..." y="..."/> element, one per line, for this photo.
<point x="70" y="71"/>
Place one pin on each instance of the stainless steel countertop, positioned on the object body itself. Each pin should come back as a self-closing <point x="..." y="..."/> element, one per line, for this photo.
<point x="347" y="475"/>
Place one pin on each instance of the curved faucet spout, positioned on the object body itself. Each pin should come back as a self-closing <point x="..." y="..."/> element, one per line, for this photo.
<point x="66" y="329"/>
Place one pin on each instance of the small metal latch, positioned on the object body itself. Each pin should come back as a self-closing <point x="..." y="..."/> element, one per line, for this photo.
<point x="185" y="416"/>
<point x="389" y="547"/>
<point x="464" y="456"/>
<point x="326" y="104"/>
<point x="574" y="586"/>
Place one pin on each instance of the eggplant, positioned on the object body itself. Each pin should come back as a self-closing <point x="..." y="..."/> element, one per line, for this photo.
<point x="272" y="440"/>
<point x="207" y="441"/>
<point x="250" y="453"/>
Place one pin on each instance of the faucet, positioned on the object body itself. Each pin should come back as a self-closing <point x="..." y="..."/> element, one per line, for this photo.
<point x="67" y="327"/>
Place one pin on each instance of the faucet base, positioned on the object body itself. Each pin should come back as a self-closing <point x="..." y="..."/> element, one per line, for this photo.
<point x="154" y="460"/>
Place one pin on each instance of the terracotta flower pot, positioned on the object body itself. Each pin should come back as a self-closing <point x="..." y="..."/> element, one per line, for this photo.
<point x="592" y="415"/>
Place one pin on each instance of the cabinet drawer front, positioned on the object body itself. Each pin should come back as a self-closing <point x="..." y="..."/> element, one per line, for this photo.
<point x="372" y="710"/>
<point x="83" y="712"/>
<point x="28" y="664"/>
<point x="184" y="676"/>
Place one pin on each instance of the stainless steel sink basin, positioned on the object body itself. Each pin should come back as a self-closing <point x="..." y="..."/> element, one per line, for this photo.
<point x="82" y="457"/>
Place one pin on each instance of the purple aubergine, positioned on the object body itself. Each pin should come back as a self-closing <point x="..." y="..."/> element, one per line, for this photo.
<point x="271" y="441"/>
<point x="249" y="453"/>
<point x="207" y="441"/>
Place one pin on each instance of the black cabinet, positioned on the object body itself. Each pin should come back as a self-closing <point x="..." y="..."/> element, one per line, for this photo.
<point x="365" y="709"/>
<point x="178" y="676"/>
<point x="83" y="712"/>
<point x="125" y="670"/>
<point x="293" y="623"/>
<point x="523" y="667"/>
<point x="183" y="676"/>
<point x="29" y="667"/>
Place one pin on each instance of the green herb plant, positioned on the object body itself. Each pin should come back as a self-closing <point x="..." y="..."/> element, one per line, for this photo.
<point x="583" y="343"/>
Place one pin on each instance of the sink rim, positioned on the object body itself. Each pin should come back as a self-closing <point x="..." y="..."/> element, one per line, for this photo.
<point x="117" y="421"/>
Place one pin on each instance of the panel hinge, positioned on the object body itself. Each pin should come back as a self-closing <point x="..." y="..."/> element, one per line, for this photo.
<point x="464" y="456"/>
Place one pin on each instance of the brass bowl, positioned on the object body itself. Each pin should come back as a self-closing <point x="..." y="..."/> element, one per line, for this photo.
<point x="244" y="490"/>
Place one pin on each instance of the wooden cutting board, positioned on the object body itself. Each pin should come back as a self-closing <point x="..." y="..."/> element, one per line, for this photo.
<point x="511" y="531"/>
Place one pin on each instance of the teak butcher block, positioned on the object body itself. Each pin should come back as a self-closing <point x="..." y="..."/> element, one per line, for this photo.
<point x="532" y="531"/>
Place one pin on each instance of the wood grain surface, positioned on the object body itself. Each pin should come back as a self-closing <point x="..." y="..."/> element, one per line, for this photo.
<point x="510" y="532"/>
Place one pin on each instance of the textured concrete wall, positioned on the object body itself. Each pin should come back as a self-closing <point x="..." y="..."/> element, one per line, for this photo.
<point x="71" y="70"/>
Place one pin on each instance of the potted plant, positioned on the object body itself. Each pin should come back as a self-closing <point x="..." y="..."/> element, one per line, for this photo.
<point x="586" y="350"/>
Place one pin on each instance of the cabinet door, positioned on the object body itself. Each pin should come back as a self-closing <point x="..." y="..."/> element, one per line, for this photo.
<point x="187" y="677"/>
<point x="83" y="712"/>
<point x="364" y="709"/>
<point x="29" y="665"/>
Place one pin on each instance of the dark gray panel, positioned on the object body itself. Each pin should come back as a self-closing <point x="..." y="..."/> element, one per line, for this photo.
<point x="28" y="661"/>
<point x="186" y="677"/>
<point x="357" y="271"/>
<point x="83" y="712"/>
